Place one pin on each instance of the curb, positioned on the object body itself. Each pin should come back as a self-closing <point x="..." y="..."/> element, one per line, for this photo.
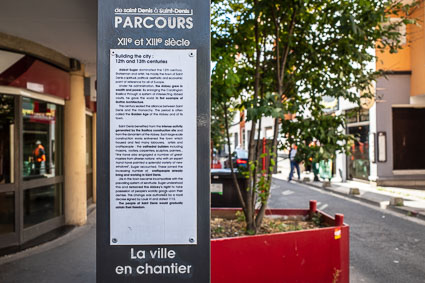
<point x="407" y="211"/>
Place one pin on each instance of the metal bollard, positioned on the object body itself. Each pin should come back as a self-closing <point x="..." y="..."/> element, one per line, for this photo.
<point x="313" y="207"/>
<point x="339" y="219"/>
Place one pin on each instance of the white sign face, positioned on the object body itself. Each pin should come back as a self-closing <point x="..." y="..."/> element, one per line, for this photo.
<point x="216" y="188"/>
<point x="372" y="154"/>
<point x="382" y="150"/>
<point x="153" y="147"/>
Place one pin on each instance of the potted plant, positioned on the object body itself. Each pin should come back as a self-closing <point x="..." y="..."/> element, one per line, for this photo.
<point x="314" y="255"/>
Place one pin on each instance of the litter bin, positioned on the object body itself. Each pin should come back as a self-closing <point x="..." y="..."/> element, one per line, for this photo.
<point x="223" y="191"/>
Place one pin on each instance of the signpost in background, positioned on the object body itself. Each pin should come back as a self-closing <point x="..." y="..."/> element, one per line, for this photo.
<point x="153" y="127"/>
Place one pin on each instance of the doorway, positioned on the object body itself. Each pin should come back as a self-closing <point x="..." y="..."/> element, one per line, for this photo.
<point x="409" y="138"/>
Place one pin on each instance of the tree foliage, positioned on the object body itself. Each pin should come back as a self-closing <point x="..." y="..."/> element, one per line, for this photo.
<point x="275" y="57"/>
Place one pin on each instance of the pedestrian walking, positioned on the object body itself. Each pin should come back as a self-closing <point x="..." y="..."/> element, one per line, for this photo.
<point x="293" y="158"/>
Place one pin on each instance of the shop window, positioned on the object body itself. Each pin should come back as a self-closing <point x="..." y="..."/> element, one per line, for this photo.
<point x="357" y="115"/>
<point x="364" y="115"/>
<point x="7" y="143"/>
<point x="42" y="139"/>
<point x="358" y="161"/>
<point x="41" y="204"/>
<point x="7" y="212"/>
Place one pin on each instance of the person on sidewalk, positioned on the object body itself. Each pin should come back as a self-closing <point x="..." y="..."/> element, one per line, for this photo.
<point x="314" y="162"/>
<point x="315" y="166"/>
<point x="39" y="157"/>
<point x="294" y="162"/>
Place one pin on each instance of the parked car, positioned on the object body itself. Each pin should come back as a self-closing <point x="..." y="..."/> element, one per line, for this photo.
<point x="239" y="159"/>
<point x="215" y="164"/>
<point x="215" y="161"/>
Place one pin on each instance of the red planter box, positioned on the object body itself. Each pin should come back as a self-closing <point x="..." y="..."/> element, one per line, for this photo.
<point x="320" y="255"/>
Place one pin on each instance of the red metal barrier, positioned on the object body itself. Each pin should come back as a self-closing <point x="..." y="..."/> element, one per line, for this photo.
<point x="313" y="207"/>
<point x="319" y="255"/>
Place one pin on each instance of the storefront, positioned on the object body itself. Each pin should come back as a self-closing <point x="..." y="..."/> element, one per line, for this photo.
<point x="33" y="98"/>
<point x="358" y="163"/>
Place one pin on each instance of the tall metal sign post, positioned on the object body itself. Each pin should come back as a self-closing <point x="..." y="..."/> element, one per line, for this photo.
<point x="153" y="141"/>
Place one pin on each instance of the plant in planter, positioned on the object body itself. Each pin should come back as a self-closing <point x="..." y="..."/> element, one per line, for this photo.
<point x="275" y="58"/>
<point x="314" y="255"/>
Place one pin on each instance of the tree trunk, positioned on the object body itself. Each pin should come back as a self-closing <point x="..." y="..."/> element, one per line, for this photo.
<point x="235" y="180"/>
<point x="280" y="75"/>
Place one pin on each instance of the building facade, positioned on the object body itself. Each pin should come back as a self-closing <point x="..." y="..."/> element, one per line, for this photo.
<point x="390" y="132"/>
<point x="47" y="131"/>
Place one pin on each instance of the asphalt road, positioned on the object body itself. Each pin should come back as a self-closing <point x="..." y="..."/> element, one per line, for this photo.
<point x="384" y="246"/>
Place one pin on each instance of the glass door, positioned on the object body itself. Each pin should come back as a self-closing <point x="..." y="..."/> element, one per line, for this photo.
<point x="42" y="170"/>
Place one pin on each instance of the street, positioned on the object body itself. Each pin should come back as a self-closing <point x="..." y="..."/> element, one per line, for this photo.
<point x="384" y="246"/>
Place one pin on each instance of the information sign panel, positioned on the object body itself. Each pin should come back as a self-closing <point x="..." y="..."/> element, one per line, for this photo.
<point x="153" y="132"/>
<point x="153" y="146"/>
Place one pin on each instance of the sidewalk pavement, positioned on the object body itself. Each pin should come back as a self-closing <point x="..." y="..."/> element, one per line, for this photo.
<point x="409" y="202"/>
<point x="67" y="259"/>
